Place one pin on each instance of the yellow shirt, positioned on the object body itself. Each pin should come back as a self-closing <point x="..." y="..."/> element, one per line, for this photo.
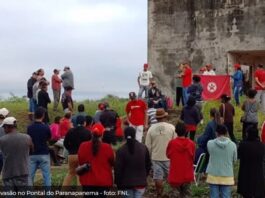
<point x="219" y="180"/>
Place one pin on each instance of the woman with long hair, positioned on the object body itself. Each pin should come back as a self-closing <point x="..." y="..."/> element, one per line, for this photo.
<point x="132" y="165"/>
<point x="99" y="157"/>
<point x="250" y="108"/>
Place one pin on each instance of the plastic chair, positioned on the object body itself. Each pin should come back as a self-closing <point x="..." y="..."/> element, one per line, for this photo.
<point x="198" y="168"/>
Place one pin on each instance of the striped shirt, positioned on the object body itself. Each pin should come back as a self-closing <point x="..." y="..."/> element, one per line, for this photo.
<point x="151" y="112"/>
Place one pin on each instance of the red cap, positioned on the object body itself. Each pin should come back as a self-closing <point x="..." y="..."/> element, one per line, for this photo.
<point x="237" y="65"/>
<point x="98" y="129"/>
<point x="145" y="65"/>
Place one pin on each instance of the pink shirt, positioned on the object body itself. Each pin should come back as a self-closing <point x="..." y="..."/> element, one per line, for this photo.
<point x="55" y="131"/>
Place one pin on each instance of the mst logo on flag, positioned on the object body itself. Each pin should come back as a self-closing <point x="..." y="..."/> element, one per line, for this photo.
<point x="215" y="86"/>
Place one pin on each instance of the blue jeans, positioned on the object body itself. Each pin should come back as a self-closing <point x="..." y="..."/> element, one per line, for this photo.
<point x="32" y="105"/>
<point x="42" y="162"/>
<point x="185" y="95"/>
<point x="237" y="90"/>
<point x="143" y="89"/>
<point x="220" y="191"/>
<point x="135" y="193"/>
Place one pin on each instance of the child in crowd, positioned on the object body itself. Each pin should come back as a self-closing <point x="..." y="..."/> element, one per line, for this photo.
<point x="227" y="112"/>
<point x="191" y="117"/>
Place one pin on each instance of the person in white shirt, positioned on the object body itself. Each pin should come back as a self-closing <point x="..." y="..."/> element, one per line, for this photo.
<point x="209" y="70"/>
<point x="144" y="79"/>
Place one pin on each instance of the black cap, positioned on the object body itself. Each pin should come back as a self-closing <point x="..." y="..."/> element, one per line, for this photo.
<point x="132" y="95"/>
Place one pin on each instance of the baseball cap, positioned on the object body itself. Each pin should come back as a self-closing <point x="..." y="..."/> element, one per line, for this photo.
<point x="145" y="65"/>
<point x="132" y="95"/>
<point x="4" y="112"/>
<point x="66" y="67"/>
<point x="9" y="121"/>
<point x="98" y="129"/>
<point x="237" y="65"/>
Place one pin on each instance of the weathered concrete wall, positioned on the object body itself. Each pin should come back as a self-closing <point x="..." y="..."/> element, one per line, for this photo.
<point x="201" y="31"/>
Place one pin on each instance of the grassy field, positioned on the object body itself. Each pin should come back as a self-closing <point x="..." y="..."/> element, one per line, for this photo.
<point x="18" y="109"/>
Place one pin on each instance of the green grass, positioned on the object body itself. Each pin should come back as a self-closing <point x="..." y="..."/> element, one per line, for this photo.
<point x="18" y="108"/>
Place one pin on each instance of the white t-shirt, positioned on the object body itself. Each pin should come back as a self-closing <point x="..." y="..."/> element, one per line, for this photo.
<point x="145" y="78"/>
<point x="209" y="73"/>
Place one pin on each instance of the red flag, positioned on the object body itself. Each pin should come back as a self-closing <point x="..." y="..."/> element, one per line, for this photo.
<point x="215" y="86"/>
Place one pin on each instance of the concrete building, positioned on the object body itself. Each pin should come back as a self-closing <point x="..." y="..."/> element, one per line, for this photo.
<point x="220" y="32"/>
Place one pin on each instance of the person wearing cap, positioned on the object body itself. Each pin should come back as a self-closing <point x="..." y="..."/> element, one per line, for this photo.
<point x="251" y="152"/>
<point x="56" y="88"/>
<point x="3" y="114"/>
<point x="259" y="76"/>
<point x="81" y="112"/>
<point x="72" y="141"/>
<point x="178" y="85"/>
<point x="209" y="70"/>
<point x="30" y="84"/>
<point x="227" y="112"/>
<point x="40" y="134"/>
<point x="15" y="147"/>
<point x="220" y="169"/>
<point x="238" y="82"/>
<point x="186" y="76"/>
<point x="157" y="139"/>
<point x="181" y="153"/>
<point x="144" y="79"/>
<point x="136" y="110"/>
<point x="132" y="165"/>
<point x="100" y="157"/>
<point x="67" y="78"/>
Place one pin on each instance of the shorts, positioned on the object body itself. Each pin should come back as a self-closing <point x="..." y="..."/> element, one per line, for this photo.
<point x="160" y="169"/>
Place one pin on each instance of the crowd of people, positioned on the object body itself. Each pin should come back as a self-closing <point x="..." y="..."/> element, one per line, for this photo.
<point x="148" y="144"/>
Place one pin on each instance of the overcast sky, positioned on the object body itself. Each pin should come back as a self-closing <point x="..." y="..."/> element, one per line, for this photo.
<point x="103" y="41"/>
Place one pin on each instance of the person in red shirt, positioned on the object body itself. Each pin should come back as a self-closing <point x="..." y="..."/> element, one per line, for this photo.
<point x="56" y="88"/>
<point x="186" y="76"/>
<point x="100" y="157"/>
<point x="136" y="115"/>
<point x="65" y="124"/>
<point x="260" y="86"/>
<point x="181" y="149"/>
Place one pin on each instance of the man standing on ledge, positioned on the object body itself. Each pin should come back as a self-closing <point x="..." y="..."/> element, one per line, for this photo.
<point x="186" y="76"/>
<point x="68" y="78"/>
<point x="56" y="88"/>
<point x="144" y="79"/>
